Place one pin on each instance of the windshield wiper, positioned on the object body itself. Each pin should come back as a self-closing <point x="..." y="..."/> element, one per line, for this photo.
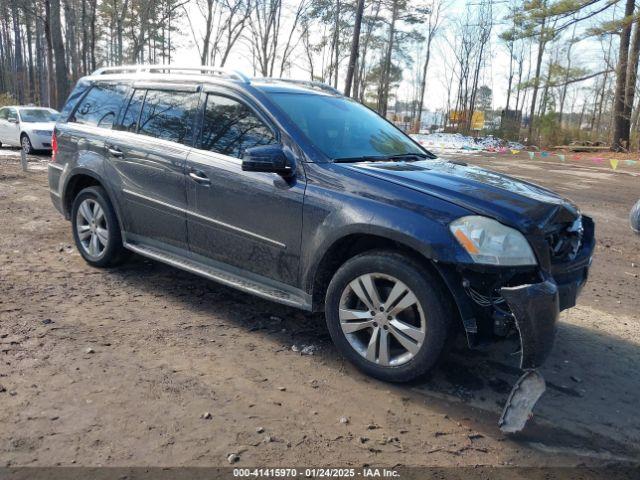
<point x="408" y="157"/>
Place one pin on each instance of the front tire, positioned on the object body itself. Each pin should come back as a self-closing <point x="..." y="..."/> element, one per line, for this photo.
<point x="388" y="315"/>
<point x="96" y="230"/>
<point x="25" y="142"/>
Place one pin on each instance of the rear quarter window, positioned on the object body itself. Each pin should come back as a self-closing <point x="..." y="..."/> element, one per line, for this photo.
<point x="100" y="107"/>
<point x="79" y="90"/>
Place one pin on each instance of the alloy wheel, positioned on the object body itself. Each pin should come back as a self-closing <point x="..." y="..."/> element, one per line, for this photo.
<point x="382" y="319"/>
<point x="26" y="144"/>
<point x="92" y="228"/>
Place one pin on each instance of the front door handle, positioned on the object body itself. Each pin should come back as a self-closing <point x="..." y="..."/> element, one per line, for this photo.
<point x="115" y="151"/>
<point x="200" y="177"/>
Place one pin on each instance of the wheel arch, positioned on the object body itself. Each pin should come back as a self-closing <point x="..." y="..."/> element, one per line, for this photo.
<point x="79" y="179"/>
<point x="352" y="244"/>
<point x="74" y="184"/>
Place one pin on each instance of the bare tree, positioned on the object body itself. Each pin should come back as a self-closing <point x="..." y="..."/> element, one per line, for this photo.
<point x="355" y="48"/>
<point x="433" y="24"/>
<point x="265" y="30"/>
<point x="620" y="128"/>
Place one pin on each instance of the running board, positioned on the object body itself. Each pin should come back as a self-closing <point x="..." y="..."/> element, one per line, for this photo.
<point x="224" y="277"/>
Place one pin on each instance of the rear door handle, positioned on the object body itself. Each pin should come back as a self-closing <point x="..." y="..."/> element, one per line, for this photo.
<point x="199" y="177"/>
<point x="115" y="151"/>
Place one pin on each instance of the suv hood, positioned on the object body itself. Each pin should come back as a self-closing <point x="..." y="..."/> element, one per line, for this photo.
<point x="520" y="204"/>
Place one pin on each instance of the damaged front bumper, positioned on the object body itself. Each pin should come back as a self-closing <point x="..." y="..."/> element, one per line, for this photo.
<point x="535" y="309"/>
<point x="494" y="301"/>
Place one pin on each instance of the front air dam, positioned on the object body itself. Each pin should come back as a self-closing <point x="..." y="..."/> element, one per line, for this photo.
<point x="535" y="309"/>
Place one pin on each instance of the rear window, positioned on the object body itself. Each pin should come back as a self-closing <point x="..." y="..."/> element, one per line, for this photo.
<point x="168" y="115"/>
<point x="100" y="107"/>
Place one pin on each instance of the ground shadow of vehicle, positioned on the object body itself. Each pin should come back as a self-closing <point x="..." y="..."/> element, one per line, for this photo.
<point x="592" y="377"/>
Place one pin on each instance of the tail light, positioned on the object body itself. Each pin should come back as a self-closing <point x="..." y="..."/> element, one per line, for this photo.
<point x="54" y="146"/>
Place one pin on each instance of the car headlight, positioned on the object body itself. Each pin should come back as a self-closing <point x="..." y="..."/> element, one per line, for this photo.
<point x="489" y="242"/>
<point x="44" y="133"/>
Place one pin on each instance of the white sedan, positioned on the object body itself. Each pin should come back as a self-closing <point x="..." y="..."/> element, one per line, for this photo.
<point x="27" y="127"/>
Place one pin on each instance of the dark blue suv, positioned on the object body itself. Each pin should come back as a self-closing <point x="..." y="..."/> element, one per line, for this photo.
<point x="292" y="192"/>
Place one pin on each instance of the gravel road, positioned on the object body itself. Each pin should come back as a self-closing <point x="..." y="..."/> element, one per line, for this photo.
<point x="147" y="365"/>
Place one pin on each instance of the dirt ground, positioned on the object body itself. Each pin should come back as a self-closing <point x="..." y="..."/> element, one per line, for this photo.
<point x="147" y="365"/>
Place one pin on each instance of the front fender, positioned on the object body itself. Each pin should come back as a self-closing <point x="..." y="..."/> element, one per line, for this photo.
<point x="338" y="206"/>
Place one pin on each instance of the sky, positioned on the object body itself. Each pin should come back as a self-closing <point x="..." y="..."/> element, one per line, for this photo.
<point x="495" y="74"/>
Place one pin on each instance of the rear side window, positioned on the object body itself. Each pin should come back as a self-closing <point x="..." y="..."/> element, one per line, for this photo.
<point x="100" y="106"/>
<point x="130" y="120"/>
<point x="168" y="115"/>
<point x="230" y="127"/>
<point x="4" y="113"/>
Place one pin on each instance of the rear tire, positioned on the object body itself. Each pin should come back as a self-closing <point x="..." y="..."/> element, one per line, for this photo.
<point x="25" y="142"/>
<point x="409" y="317"/>
<point x="96" y="230"/>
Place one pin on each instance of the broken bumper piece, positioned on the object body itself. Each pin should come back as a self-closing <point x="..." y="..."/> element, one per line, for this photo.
<point x="523" y="397"/>
<point x="535" y="309"/>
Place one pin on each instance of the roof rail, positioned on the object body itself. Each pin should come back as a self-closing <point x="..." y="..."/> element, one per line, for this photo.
<point x="216" y="71"/>
<point x="306" y="83"/>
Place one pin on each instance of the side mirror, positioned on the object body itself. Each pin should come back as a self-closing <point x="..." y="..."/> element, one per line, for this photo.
<point x="268" y="158"/>
<point x="12" y="120"/>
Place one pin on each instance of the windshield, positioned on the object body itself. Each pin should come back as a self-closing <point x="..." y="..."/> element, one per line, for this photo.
<point x="344" y="129"/>
<point x="32" y="115"/>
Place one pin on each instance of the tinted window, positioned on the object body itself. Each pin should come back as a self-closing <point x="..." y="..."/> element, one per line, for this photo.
<point x="4" y="113"/>
<point x="168" y="115"/>
<point x="130" y="120"/>
<point x="231" y="127"/>
<point x="100" y="106"/>
<point x="342" y="128"/>
<point x="79" y="90"/>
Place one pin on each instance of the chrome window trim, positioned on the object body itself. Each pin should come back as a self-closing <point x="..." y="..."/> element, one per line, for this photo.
<point x="208" y="219"/>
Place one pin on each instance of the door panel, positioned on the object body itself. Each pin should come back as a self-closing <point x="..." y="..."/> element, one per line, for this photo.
<point x="152" y="180"/>
<point x="4" y="114"/>
<point x="246" y="219"/>
<point x="250" y="220"/>
<point x="151" y="164"/>
<point x="10" y="131"/>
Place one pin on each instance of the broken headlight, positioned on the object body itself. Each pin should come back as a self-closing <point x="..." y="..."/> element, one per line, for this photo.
<point x="489" y="242"/>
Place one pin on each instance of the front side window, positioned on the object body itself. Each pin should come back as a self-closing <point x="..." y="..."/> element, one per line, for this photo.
<point x="342" y="128"/>
<point x="100" y="107"/>
<point x="168" y="115"/>
<point x="231" y="127"/>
